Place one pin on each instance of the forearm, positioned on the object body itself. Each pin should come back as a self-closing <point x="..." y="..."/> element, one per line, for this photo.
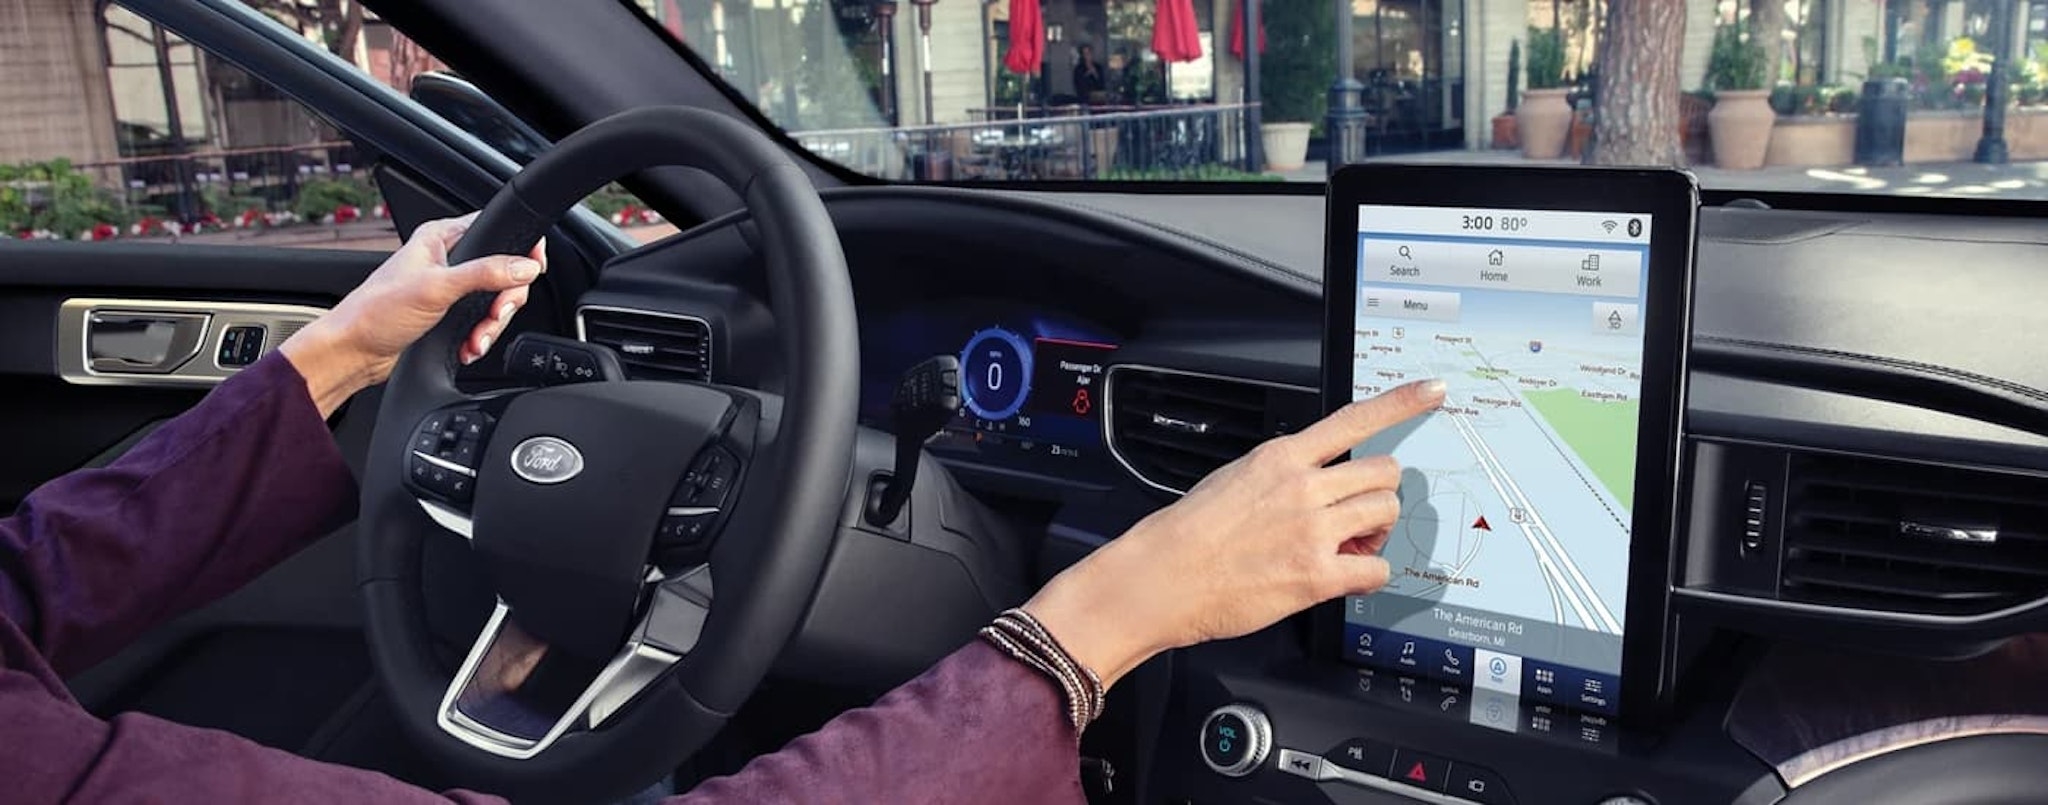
<point x="208" y="501"/>
<point x="931" y="740"/>
<point x="331" y="369"/>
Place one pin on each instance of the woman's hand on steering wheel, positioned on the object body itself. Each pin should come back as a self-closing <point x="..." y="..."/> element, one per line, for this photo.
<point x="354" y="345"/>
<point x="1262" y="538"/>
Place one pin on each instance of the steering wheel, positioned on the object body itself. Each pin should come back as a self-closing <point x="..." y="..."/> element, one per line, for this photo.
<point x="600" y="512"/>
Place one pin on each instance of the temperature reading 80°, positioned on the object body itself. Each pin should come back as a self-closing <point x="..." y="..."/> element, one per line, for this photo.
<point x="1487" y="223"/>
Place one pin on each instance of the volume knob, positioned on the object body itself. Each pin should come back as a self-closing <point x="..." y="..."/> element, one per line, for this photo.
<point x="1236" y="739"/>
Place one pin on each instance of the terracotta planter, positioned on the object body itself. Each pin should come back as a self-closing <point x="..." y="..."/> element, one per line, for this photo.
<point x="1813" y="141"/>
<point x="1286" y="145"/>
<point x="1544" y="121"/>
<point x="1740" y="128"/>
<point x="1582" y="134"/>
<point x="1505" y="136"/>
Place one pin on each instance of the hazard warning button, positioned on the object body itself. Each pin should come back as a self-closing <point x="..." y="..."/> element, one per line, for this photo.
<point x="1420" y="770"/>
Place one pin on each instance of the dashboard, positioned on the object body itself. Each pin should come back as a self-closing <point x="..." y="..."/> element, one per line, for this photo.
<point x="1831" y="388"/>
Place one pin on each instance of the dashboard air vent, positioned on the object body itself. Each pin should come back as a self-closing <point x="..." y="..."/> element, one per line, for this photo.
<point x="651" y="346"/>
<point x="1170" y="428"/>
<point x="1907" y="537"/>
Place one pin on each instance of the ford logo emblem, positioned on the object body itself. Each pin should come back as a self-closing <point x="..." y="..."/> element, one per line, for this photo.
<point x="546" y="460"/>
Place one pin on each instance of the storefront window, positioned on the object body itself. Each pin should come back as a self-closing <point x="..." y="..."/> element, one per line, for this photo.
<point x="1414" y="94"/>
<point x="159" y="92"/>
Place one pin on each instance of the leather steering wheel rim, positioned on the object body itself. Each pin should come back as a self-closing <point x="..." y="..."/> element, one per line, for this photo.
<point x="765" y="581"/>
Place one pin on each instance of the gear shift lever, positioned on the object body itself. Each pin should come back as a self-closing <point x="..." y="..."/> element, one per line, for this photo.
<point x="926" y="398"/>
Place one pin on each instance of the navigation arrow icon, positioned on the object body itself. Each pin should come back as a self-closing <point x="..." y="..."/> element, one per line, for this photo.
<point x="1480" y="524"/>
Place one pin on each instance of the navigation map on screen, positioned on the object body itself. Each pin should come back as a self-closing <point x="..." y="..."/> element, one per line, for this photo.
<point x="1510" y="560"/>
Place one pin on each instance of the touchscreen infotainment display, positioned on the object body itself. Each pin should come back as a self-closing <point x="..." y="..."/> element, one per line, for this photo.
<point x="1510" y="560"/>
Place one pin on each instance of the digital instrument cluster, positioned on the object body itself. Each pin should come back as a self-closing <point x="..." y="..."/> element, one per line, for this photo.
<point x="1030" y="382"/>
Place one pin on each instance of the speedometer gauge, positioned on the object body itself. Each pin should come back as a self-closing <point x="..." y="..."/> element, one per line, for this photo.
<point x="995" y="373"/>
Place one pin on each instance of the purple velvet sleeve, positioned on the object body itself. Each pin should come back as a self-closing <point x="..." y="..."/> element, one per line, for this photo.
<point x="977" y="727"/>
<point x="249" y="476"/>
<point x="207" y="502"/>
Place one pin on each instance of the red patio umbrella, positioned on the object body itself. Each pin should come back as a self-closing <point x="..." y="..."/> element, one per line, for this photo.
<point x="1237" y="28"/>
<point x="1027" y="38"/>
<point x="672" y="18"/>
<point x="1174" y="36"/>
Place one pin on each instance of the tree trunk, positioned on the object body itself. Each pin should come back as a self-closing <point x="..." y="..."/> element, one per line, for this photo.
<point x="1637" y="117"/>
<point x="1767" y="28"/>
<point x="348" y="29"/>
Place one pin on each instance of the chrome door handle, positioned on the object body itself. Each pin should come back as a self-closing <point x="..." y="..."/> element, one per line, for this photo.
<point x="142" y="342"/>
<point x="168" y="342"/>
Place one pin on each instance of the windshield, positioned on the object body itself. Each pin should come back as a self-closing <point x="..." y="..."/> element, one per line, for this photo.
<point x="1946" y="97"/>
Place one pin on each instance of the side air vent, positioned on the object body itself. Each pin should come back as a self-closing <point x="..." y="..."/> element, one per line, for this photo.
<point x="651" y="346"/>
<point x="1170" y="428"/>
<point x="1919" y="538"/>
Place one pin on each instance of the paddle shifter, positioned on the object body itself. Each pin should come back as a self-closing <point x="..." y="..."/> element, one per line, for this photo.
<point x="926" y="398"/>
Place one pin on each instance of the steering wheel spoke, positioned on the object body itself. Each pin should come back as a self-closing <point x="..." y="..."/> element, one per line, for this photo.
<point x="501" y="700"/>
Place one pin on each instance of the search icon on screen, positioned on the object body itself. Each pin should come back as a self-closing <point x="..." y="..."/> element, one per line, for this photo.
<point x="1404" y="253"/>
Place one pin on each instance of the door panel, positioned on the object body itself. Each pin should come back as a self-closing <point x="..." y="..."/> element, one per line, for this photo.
<point x="62" y="425"/>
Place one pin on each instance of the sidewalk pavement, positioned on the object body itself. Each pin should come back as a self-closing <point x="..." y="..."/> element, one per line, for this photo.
<point x="2018" y="180"/>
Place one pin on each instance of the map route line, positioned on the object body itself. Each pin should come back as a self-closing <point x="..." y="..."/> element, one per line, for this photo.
<point x="1564" y="557"/>
<point x="1551" y="573"/>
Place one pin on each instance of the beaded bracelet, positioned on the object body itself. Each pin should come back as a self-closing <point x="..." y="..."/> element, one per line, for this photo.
<point x="1024" y="639"/>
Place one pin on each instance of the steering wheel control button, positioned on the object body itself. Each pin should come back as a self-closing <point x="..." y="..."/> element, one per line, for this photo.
<point x="428" y="438"/>
<point x="687" y="526"/>
<point x="710" y="479"/>
<point x="1302" y="764"/>
<point x="1363" y="756"/>
<point x="1235" y="740"/>
<point x="1477" y="784"/>
<point x="1420" y="770"/>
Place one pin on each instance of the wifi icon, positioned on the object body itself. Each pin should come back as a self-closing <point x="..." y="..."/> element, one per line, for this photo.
<point x="1609" y="226"/>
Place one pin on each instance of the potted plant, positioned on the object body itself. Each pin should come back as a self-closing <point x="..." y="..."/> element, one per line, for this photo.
<point x="1294" y="76"/>
<point x="1740" y="124"/>
<point x="1505" y="135"/>
<point x="1543" y="119"/>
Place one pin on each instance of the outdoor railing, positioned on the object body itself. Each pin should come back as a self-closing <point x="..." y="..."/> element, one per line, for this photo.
<point x="225" y="183"/>
<point x="1067" y="143"/>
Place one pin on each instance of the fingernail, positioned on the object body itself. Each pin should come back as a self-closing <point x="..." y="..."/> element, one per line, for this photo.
<point x="524" y="269"/>
<point x="1432" y="388"/>
<point x="469" y="359"/>
<point x="506" y="310"/>
<point x="483" y="344"/>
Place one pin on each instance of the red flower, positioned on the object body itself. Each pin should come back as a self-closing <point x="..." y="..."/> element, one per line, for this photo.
<point x="103" y="231"/>
<point x="346" y="213"/>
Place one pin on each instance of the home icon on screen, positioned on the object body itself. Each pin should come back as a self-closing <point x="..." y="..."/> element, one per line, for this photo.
<point x="1494" y="258"/>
